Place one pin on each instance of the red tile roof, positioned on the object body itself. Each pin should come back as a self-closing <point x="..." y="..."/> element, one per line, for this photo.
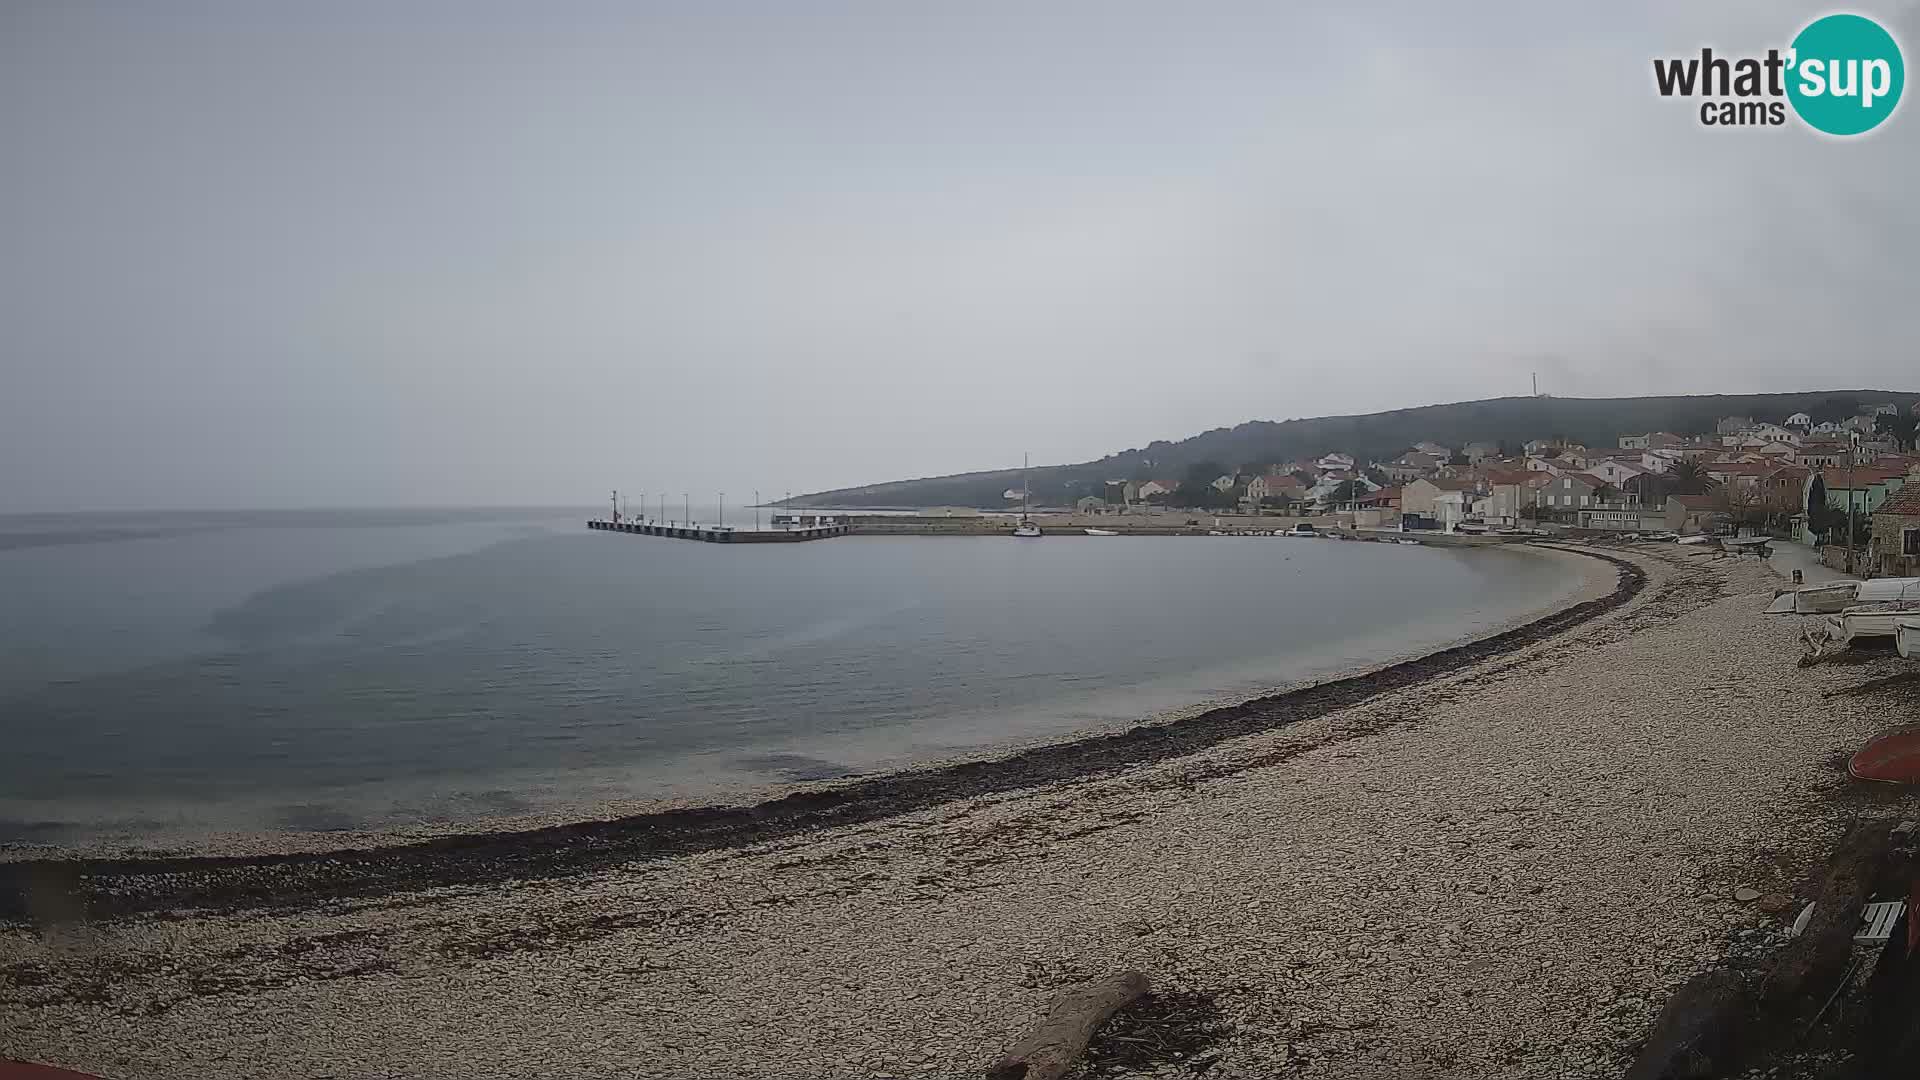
<point x="1743" y="468"/>
<point x="1905" y="502"/>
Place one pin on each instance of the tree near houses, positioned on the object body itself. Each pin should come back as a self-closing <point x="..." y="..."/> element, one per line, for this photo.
<point x="1196" y="487"/>
<point x="1747" y="505"/>
<point x="1900" y="426"/>
<point x="1690" y="478"/>
<point x="1347" y="492"/>
<point x="1202" y="474"/>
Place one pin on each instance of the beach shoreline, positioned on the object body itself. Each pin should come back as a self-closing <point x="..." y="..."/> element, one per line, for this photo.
<point x="1501" y="869"/>
<point x="364" y="863"/>
<point x="1593" y="579"/>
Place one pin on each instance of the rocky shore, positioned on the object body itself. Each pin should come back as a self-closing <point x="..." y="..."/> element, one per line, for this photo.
<point x="1496" y="861"/>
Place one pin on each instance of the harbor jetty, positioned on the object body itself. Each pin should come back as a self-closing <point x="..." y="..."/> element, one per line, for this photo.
<point x="721" y="534"/>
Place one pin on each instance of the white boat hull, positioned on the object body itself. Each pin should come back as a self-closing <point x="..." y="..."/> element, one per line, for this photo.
<point x="1101" y="532"/>
<point x="1828" y="598"/>
<point x="1852" y="625"/>
<point x="1906" y="636"/>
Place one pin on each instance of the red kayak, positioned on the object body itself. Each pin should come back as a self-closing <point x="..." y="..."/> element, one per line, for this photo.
<point x="1894" y="758"/>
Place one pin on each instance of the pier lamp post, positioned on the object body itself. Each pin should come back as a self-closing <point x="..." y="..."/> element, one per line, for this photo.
<point x="686" y="507"/>
<point x="723" y="509"/>
<point x="756" y="509"/>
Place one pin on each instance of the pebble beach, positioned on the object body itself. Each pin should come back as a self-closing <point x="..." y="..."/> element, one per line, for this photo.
<point x="1497" y="869"/>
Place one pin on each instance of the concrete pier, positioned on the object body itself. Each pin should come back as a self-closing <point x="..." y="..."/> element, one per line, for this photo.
<point x="719" y="534"/>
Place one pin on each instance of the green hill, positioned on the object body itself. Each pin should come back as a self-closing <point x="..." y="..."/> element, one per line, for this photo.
<point x="1373" y="436"/>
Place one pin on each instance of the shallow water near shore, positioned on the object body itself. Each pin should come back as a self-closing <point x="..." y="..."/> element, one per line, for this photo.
<point x="303" y="672"/>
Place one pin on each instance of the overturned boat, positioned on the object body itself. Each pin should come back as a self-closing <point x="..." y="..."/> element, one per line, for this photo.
<point x="1906" y="636"/>
<point x="1869" y="621"/>
<point x="1825" y="598"/>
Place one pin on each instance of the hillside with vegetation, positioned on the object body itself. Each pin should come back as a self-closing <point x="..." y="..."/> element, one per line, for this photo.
<point x="1373" y="436"/>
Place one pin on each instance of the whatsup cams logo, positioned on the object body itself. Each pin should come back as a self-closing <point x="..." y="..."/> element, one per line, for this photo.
<point x="1842" y="75"/>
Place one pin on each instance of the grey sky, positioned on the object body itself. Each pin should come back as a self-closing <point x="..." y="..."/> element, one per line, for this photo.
<point x="374" y="253"/>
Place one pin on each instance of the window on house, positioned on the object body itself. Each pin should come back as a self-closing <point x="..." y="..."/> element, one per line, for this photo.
<point x="1910" y="541"/>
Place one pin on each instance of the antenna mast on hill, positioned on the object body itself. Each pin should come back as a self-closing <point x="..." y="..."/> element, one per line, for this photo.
<point x="1536" y="384"/>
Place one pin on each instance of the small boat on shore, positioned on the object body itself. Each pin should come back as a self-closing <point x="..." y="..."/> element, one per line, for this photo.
<point x="1906" y="636"/>
<point x="1893" y="758"/>
<point x="1303" y="529"/>
<point x="1869" y="621"/>
<point x="1101" y="532"/>
<point x="1826" y="598"/>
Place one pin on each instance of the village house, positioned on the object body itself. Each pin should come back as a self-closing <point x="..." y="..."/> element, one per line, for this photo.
<point x="1773" y="432"/>
<point x="1276" y="487"/>
<point x="1895" y="551"/>
<point x="1569" y="492"/>
<point x="1434" y="449"/>
<point x="1160" y="488"/>
<point x="1326" y="491"/>
<point x="1877" y="444"/>
<point x="1738" y="474"/>
<point x="1477" y="452"/>
<point x="1335" y="463"/>
<point x="1864" y="487"/>
<point x="1653" y="440"/>
<point x="1733" y="425"/>
<point x="1800" y="420"/>
<point x="1692" y="513"/>
<point x="1411" y="466"/>
<point x="1510" y="492"/>
<point x="1823" y="453"/>
<point x="1618" y="472"/>
<point x="1773" y="448"/>
<point x="1419" y="498"/>
<point x="1386" y="498"/>
<point x="1624" y="519"/>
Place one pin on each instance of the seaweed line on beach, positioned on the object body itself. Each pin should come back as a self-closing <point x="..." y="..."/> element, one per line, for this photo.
<point x="51" y="890"/>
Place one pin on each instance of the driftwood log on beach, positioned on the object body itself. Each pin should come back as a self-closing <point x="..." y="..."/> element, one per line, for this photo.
<point x="1050" y="1049"/>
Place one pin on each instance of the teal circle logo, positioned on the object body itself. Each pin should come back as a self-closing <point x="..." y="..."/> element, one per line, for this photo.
<point x="1845" y="75"/>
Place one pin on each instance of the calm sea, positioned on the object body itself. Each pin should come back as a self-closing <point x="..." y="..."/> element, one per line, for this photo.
<point x="172" y="673"/>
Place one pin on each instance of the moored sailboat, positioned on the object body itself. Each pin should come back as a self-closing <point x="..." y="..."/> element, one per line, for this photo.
<point x="1027" y="529"/>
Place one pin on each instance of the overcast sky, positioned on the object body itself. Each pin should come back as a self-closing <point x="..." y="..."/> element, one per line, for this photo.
<point x="344" y="253"/>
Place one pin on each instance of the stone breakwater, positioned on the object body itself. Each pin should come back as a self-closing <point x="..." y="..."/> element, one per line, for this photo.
<point x="1495" y="864"/>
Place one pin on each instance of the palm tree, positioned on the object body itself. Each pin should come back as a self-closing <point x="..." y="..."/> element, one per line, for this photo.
<point x="1690" y="478"/>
